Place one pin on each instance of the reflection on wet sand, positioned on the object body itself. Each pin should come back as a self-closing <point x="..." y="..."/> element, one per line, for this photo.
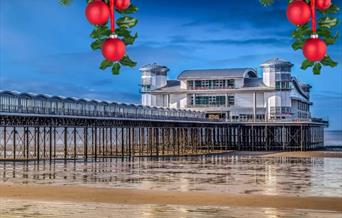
<point x="39" y="209"/>
<point x="220" y="173"/>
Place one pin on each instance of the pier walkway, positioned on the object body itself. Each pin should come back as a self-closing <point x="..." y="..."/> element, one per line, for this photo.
<point x="37" y="127"/>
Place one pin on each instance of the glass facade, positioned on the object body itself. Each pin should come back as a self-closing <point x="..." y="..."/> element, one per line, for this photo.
<point x="210" y="84"/>
<point x="212" y="101"/>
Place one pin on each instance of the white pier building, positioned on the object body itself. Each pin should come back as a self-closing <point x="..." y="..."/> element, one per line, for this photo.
<point x="236" y="95"/>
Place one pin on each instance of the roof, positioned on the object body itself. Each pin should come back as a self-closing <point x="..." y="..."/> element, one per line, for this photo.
<point x="299" y="88"/>
<point x="253" y="82"/>
<point x="276" y="61"/>
<point x="218" y="73"/>
<point x="155" y="68"/>
<point x="171" y="86"/>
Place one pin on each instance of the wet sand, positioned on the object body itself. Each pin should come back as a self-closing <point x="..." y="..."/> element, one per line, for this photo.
<point x="132" y="196"/>
<point x="306" y="154"/>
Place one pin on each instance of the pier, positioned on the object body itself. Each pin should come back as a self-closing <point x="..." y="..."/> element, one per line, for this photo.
<point x="41" y="127"/>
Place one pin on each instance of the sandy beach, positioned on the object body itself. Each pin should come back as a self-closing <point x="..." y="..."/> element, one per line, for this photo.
<point x="131" y="196"/>
<point x="306" y="154"/>
<point x="63" y="193"/>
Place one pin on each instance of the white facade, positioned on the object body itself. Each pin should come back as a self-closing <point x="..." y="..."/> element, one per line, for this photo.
<point x="233" y="94"/>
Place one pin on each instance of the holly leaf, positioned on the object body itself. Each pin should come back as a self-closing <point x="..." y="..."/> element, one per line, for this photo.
<point x="126" y="61"/>
<point x="327" y="61"/>
<point x="97" y="44"/>
<point x="327" y="22"/>
<point x="330" y="40"/>
<point x="317" y="69"/>
<point x="122" y="32"/>
<point x="333" y="9"/>
<point x="127" y="22"/>
<point x="116" y="69"/>
<point x="105" y="64"/>
<point x="129" y="40"/>
<point x="307" y="63"/>
<point x="301" y="32"/>
<point x="100" y="31"/>
<point x="130" y="10"/>
<point x="65" y="2"/>
<point x="298" y="44"/>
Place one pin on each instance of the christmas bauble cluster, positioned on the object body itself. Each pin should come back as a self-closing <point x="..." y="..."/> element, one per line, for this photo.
<point x="299" y="13"/>
<point x="98" y="13"/>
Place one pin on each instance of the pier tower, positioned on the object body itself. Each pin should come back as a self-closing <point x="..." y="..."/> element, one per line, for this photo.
<point x="153" y="76"/>
<point x="277" y="75"/>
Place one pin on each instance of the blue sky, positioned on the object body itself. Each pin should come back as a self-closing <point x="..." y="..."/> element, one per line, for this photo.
<point x="44" y="47"/>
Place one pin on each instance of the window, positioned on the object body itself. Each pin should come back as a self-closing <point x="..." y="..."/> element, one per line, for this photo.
<point x="231" y="84"/>
<point x="282" y="85"/>
<point x="209" y="100"/>
<point x="190" y="84"/>
<point x="231" y="100"/>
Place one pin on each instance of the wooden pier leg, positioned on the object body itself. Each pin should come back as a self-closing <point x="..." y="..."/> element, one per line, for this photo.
<point x="133" y="141"/>
<point x="122" y="143"/>
<point x="27" y="144"/>
<point x="111" y="141"/>
<point x="163" y="140"/>
<point x="5" y="142"/>
<point x="54" y="142"/>
<point x="85" y="135"/>
<point x="14" y="142"/>
<point x="50" y="143"/>
<point x="103" y="141"/>
<point x="38" y="144"/>
<point x="130" y="142"/>
<point x="178" y="140"/>
<point x="75" y="143"/>
<point x="301" y="137"/>
<point x="157" y="141"/>
<point x="44" y="142"/>
<point x="65" y="142"/>
<point x="116" y="141"/>
<point x="95" y="143"/>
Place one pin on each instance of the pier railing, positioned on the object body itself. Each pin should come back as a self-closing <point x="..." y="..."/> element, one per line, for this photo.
<point x="35" y="127"/>
<point x="26" y="103"/>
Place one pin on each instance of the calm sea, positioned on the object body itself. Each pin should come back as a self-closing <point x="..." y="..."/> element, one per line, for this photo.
<point x="333" y="138"/>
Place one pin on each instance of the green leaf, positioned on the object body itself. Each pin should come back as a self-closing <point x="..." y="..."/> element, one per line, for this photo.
<point x="266" y="3"/>
<point x="129" y="40"/>
<point x="116" y="69"/>
<point x="127" y="22"/>
<point x="329" y="40"/>
<point x="130" y="10"/>
<point x="333" y="9"/>
<point x="327" y="22"/>
<point x="100" y="32"/>
<point x="97" y="44"/>
<point x="317" y="69"/>
<point x="298" y="44"/>
<point x="126" y="61"/>
<point x="327" y="61"/>
<point x="105" y="64"/>
<point x="307" y="63"/>
<point x="122" y="32"/>
<point x="301" y="32"/>
<point x="323" y="32"/>
<point x="65" y="2"/>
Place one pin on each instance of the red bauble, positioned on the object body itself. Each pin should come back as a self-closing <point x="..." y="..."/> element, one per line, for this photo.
<point x="122" y="4"/>
<point x="314" y="49"/>
<point x="113" y="49"/>
<point x="97" y="12"/>
<point x="323" y="4"/>
<point x="298" y="12"/>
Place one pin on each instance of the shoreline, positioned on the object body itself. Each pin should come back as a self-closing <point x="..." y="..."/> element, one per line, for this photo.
<point x="134" y="196"/>
<point x="261" y="154"/>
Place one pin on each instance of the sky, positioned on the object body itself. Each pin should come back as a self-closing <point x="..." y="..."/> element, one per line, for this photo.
<point x="44" y="47"/>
